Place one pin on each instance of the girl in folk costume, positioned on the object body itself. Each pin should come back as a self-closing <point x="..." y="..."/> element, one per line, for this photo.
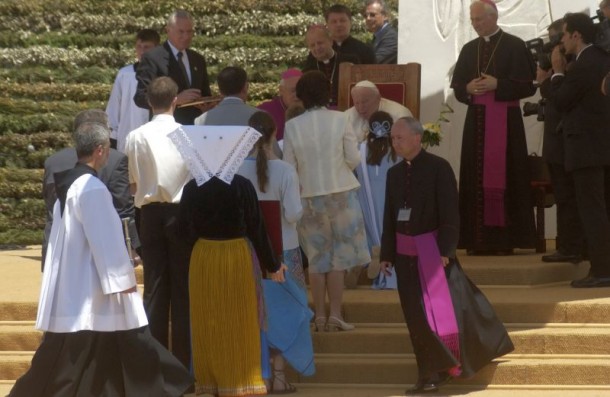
<point x="220" y="210"/>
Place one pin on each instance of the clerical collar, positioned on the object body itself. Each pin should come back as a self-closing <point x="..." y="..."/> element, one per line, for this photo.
<point x="488" y="38"/>
<point x="328" y="60"/>
<point x="414" y="159"/>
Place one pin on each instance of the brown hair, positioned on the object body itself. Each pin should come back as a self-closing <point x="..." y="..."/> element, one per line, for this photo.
<point x="378" y="146"/>
<point x="263" y="123"/>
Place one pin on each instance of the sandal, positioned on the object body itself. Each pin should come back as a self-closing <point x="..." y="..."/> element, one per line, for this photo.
<point x="287" y="387"/>
<point x="320" y="324"/>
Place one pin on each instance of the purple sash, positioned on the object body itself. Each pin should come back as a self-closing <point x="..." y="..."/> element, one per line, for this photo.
<point x="494" y="157"/>
<point x="437" y="299"/>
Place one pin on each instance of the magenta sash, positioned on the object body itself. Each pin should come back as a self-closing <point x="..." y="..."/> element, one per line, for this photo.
<point x="435" y="290"/>
<point x="494" y="157"/>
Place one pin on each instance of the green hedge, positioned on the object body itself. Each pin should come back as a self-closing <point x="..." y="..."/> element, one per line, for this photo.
<point x="68" y="74"/>
<point x="32" y="123"/>
<point x="54" y="9"/>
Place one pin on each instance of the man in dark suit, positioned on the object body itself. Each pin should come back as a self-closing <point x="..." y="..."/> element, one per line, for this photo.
<point x="325" y="59"/>
<point x="339" y="24"/>
<point x="586" y="117"/>
<point x="569" y="242"/>
<point x="385" y="37"/>
<point x="185" y="66"/>
<point x="114" y="175"/>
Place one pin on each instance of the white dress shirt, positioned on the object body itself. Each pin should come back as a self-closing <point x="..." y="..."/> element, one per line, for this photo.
<point x="155" y="165"/>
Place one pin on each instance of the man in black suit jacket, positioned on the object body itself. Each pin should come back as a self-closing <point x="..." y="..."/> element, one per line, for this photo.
<point x="385" y="37"/>
<point x="586" y="117"/>
<point x="174" y="59"/>
<point x="339" y="24"/>
<point x="114" y="175"/>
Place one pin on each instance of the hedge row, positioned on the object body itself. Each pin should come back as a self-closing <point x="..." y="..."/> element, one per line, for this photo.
<point x="54" y="9"/>
<point x="64" y="40"/>
<point x="252" y="22"/>
<point x="27" y="107"/>
<point x="54" y="92"/>
<point x="32" y="123"/>
<point x="54" y="57"/>
<point x="68" y="74"/>
<point x="68" y="99"/>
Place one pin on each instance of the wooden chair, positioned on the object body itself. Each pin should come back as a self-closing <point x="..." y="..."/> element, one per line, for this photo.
<point x="400" y="83"/>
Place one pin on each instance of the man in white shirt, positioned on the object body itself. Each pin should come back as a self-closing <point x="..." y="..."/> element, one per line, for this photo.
<point x="96" y="341"/>
<point x="157" y="174"/>
<point x="124" y="115"/>
<point x="367" y="100"/>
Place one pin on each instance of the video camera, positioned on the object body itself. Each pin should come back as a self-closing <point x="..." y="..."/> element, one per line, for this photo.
<point x="602" y="37"/>
<point x="541" y="51"/>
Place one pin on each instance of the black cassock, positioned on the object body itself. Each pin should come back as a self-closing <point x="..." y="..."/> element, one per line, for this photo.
<point x="506" y="58"/>
<point x="428" y="187"/>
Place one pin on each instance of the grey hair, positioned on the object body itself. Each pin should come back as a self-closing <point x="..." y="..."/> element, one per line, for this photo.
<point x="178" y="14"/>
<point x="90" y="116"/>
<point x="413" y="125"/>
<point x="88" y="136"/>
<point x="489" y="9"/>
<point x="382" y="5"/>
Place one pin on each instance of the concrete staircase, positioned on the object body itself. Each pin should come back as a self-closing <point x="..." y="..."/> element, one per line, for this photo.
<point x="561" y="335"/>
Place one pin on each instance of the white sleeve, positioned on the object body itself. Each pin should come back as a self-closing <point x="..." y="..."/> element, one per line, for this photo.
<point x="113" y="109"/>
<point x="350" y="148"/>
<point x="291" y="196"/>
<point x="289" y="155"/>
<point x="104" y="234"/>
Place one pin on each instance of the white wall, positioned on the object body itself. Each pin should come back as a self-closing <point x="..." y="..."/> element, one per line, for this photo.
<point x="432" y="32"/>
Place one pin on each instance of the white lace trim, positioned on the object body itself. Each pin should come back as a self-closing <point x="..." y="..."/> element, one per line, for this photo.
<point x="203" y="171"/>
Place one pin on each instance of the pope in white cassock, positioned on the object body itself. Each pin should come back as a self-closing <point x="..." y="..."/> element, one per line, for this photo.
<point x="96" y="340"/>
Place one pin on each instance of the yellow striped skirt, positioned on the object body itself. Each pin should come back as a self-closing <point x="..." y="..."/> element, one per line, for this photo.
<point x="225" y="329"/>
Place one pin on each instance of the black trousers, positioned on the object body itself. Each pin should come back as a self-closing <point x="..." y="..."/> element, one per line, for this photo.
<point x="570" y="236"/>
<point x="166" y="259"/>
<point x="592" y="188"/>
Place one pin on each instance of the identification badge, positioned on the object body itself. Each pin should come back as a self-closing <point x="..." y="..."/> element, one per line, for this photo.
<point x="404" y="215"/>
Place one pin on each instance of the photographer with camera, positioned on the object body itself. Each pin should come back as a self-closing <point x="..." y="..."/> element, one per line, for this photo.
<point x="585" y="119"/>
<point x="569" y="241"/>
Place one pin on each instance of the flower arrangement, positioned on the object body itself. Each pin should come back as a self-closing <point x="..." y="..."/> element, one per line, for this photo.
<point x="433" y="134"/>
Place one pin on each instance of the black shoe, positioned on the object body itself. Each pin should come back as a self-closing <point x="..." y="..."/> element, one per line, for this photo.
<point x="557" y="256"/>
<point x="591" y="282"/>
<point x="422" y="386"/>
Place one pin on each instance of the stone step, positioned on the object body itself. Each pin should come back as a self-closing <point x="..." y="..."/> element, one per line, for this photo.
<point x="547" y="304"/>
<point x="513" y="369"/>
<point x="527" y="338"/>
<point x="394" y="338"/>
<point x="374" y="390"/>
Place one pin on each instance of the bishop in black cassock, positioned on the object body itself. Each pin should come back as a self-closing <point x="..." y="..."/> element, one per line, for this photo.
<point x="492" y="73"/>
<point x="422" y="200"/>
